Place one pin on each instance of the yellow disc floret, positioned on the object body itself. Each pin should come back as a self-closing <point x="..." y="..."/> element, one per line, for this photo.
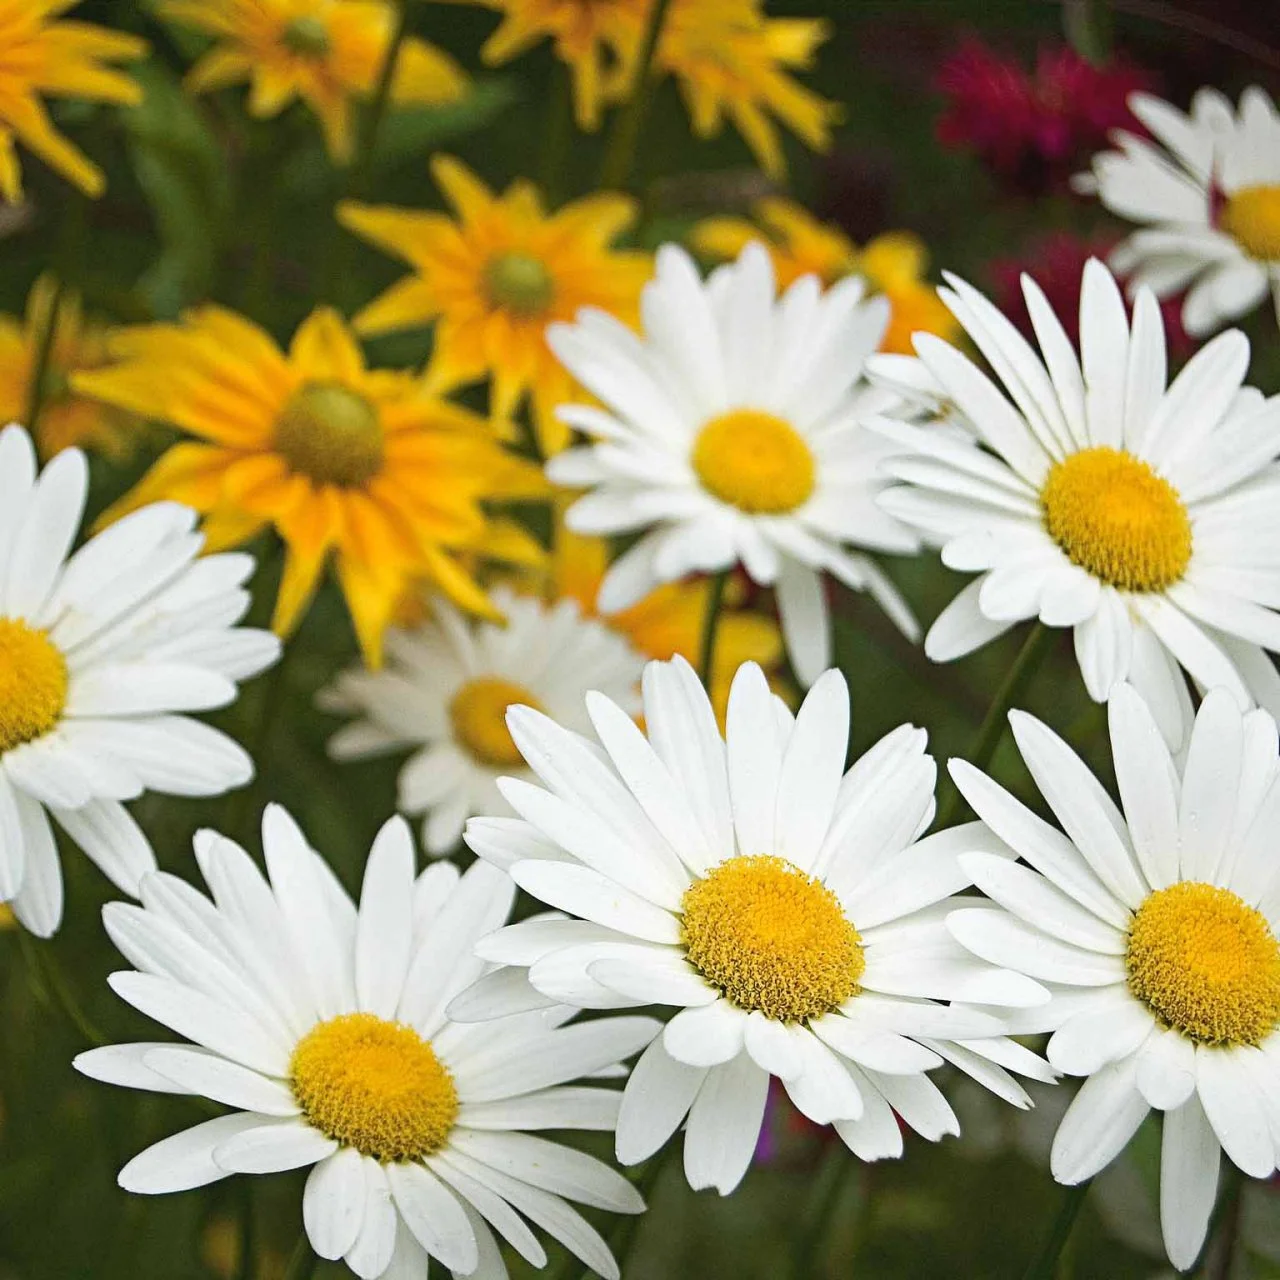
<point x="33" y="684"/>
<point x="772" y="938"/>
<point x="1116" y="518"/>
<point x="520" y="283"/>
<point x="1251" y="217"/>
<point x="330" y="434"/>
<point x="754" y="461"/>
<point x="1206" y="964"/>
<point x="374" y="1085"/>
<point x="479" y="715"/>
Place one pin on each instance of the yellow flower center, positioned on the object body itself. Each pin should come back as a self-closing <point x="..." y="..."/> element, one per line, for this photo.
<point x="1114" y="516"/>
<point x="331" y="435"/>
<point x="374" y="1085"/>
<point x="1252" y="218"/>
<point x="519" y="282"/>
<point x="307" y="37"/>
<point x="33" y="684"/>
<point x="754" y="461"/>
<point x="479" y="714"/>
<point x="1206" y="964"/>
<point x="772" y="938"/>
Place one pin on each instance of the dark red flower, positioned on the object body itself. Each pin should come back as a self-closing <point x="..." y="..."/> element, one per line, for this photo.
<point x="1056" y="263"/>
<point x="1034" y="130"/>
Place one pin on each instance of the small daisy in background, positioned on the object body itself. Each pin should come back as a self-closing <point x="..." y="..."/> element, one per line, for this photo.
<point x="329" y="53"/>
<point x="731" y="434"/>
<point x="893" y="263"/>
<point x="788" y="911"/>
<point x="1155" y="926"/>
<point x="323" y="1026"/>
<point x="493" y="276"/>
<point x="445" y="693"/>
<point x="1094" y="497"/>
<point x="103" y="653"/>
<point x="1209" y="196"/>
<point x="63" y="419"/>
<point x="344" y="462"/>
<point x="39" y="54"/>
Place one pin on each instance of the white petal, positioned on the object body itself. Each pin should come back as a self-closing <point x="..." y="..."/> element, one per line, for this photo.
<point x="724" y="1125"/>
<point x="433" y="1214"/>
<point x="333" y="1203"/>
<point x="273" y="1148"/>
<point x="706" y="1036"/>
<point x="1189" y="1160"/>
<point x="1098" y="1124"/>
<point x="226" y="1082"/>
<point x="384" y="933"/>
<point x="185" y="1160"/>
<point x="657" y="1098"/>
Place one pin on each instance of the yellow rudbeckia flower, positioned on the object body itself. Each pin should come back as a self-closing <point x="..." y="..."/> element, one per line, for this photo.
<point x="340" y="459"/>
<point x="65" y="59"/>
<point x="326" y="52"/>
<point x="494" y="277"/>
<point x="893" y="263"/>
<point x="66" y="419"/>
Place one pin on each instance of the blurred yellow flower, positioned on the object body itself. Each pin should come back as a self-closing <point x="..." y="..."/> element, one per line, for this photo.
<point x="66" y="419"/>
<point x="669" y="620"/>
<point x="64" y="59"/>
<point x="893" y="263"/>
<point x="338" y="458"/>
<point x="592" y="37"/>
<point x="495" y="277"/>
<point x="326" y="52"/>
<point x="731" y="61"/>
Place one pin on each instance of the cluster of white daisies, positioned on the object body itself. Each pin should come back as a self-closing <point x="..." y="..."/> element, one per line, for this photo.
<point x="796" y="919"/>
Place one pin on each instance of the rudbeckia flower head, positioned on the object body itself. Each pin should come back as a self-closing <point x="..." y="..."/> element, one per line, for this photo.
<point x="329" y="53"/>
<point x="493" y="276"/>
<point x="39" y="54"/>
<point x="343" y="461"/>
<point x="324" y="1027"/>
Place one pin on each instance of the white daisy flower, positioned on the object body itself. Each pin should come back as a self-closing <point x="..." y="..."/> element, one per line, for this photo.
<point x="445" y="690"/>
<point x="731" y="434"/>
<point x="787" y="909"/>
<point x="1155" y="926"/>
<point x="323" y="1027"/>
<point x="101" y="653"/>
<point x="1209" y="195"/>
<point x="1145" y="518"/>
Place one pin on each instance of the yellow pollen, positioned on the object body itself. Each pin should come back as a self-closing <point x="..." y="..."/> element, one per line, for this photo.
<point x="1206" y="964"/>
<point x="479" y="714"/>
<point x="772" y="938"/>
<point x="33" y="684"/>
<point x="374" y="1085"/>
<point x="1115" y="517"/>
<point x="1251" y="217"/>
<point x="331" y="435"/>
<point x="754" y="461"/>
<point x="520" y="283"/>
<point x="307" y="37"/>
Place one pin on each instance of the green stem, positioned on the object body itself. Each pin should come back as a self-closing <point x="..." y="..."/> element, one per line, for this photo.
<point x="624" y="1231"/>
<point x="710" y="625"/>
<point x="1087" y="26"/>
<point x="825" y="1195"/>
<point x="558" y="136"/>
<point x="620" y="154"/>
<point x="40" y="373"/>
<point x="245" y="1269"/>
<point x="52" y="988"/>
<point x="1226" y="1228"/>
<point x="1046" y="1263"/>
<point x="379" y="102"/>
<point x="987" y="739"/>
<point x="302" y="1263"/>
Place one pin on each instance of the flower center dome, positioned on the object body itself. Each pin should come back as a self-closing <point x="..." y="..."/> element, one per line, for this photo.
<point x="1116" y="518"/>
<point x="1251" y="217"/>
<point x="331" y="435"/>
<point x="479" y="715"/>
<point x="519" y="282"/>
<point x="1205" y="963"/>
<point x="307" y="36"/>
<point x="374" y="1085"/>
<point x="754" y="461"/>
<point x="772" y="938"/>
<point x="33" y="684"/>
